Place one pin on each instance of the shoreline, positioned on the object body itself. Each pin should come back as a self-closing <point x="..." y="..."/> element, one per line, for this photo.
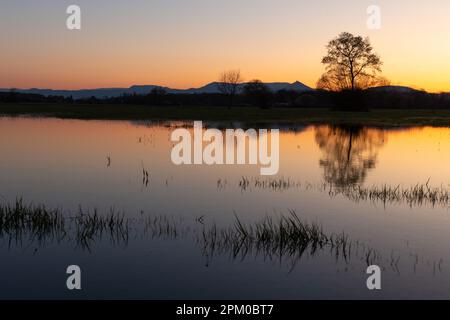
<point x="250" y="115"/>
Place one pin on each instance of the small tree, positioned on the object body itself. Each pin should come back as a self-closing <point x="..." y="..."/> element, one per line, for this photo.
<point x="258" y="93"/>
<point x="350" y="64"/>
<point x="229" y="82"/>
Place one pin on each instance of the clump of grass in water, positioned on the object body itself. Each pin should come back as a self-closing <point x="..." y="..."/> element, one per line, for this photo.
<point x="418" y="195"/>
<point x="276" y="184"/>
<point x="286" y="237"/>
<point x="20" y="223"/>
<point x="36" y="222"/>
<point x="163" y="227"/>
<point x="92" y="226"/>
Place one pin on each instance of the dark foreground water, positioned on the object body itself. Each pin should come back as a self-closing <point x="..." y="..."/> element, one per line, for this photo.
<point x="386" y="190"/>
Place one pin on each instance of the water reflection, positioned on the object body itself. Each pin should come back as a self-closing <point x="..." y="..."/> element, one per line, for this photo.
<point x="287" y="239"/>
<point x="348" y="153"/>
<point x="104" y="164"/>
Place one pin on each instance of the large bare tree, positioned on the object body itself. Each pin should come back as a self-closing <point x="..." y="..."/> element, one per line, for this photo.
<point x="350" y="64"/>
<point x="229" y="82"/>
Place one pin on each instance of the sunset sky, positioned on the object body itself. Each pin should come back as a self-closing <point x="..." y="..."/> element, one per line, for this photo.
<point x="187" y="43"/>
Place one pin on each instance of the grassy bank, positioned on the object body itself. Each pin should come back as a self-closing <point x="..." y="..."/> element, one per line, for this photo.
<point x="381" y="117"/>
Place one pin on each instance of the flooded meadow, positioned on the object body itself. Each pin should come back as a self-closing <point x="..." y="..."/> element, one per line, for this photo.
<point x="106" y="196"/>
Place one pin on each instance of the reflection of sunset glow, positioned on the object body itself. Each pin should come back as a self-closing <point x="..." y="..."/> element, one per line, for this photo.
<point x="403" y="156"/>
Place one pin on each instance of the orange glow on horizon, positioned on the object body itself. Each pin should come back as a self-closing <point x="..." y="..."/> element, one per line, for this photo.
<point x="186" y="44"/>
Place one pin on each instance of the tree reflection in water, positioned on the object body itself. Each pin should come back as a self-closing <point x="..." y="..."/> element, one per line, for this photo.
<point x="348" y="153"/>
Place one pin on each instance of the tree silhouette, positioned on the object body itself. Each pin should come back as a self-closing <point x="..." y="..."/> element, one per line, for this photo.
<point x="350" y="64"/>
<point x="229" y="82"/>
<point x="258" y="93"/>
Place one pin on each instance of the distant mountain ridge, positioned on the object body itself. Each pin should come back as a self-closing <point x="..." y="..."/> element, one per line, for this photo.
<point x="210" y="88"/>
<point x="99" y="93"/>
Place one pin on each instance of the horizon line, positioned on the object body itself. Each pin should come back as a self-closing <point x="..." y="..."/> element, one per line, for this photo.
<point x="201" y="86"/>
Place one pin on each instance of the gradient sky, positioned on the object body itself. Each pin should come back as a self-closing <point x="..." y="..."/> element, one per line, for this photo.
<point x="187" y="43"/>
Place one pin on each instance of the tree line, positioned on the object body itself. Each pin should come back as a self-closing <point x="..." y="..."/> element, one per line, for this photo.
<point x="256" y="95"/>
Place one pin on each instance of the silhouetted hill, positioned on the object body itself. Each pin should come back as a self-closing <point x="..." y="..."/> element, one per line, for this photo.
<point x="102" y="93"/>
<point x="393" y="89"/>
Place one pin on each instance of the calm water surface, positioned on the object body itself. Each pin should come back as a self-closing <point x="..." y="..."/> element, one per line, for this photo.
<point x="99" y="165"/>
